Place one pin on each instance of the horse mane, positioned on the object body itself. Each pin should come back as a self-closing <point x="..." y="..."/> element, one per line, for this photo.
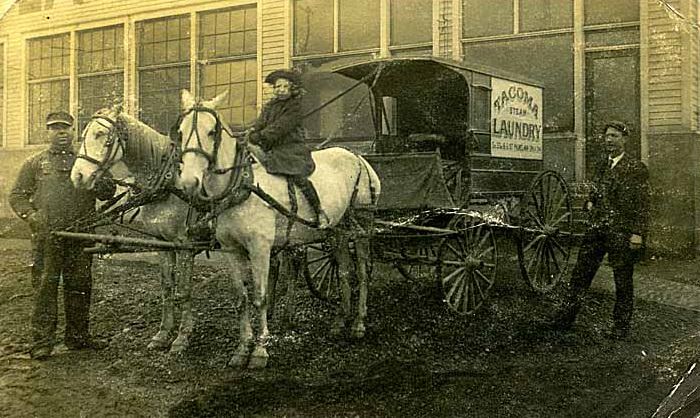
<point x="145" y="148"/>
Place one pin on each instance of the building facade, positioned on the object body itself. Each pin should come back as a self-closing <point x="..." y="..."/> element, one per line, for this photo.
<point x="632" y="60"/>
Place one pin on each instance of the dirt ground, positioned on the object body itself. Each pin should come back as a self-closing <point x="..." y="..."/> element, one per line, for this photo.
<point x="416" y="360"/>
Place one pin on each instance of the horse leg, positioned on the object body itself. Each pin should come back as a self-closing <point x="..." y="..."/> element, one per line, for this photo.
<point x="239" y="265"/>
<point x="275" y="264"/>
<point x="362" y="257"/>
<point x="184" y="261"/>
<point x="260" y="268"/>
<point x="161" y="340"/>
<point x="342" y="256"/>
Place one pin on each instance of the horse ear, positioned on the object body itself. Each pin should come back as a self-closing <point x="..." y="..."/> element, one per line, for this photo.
<point x="221" y="98"/>
<point x="187" y="100"/>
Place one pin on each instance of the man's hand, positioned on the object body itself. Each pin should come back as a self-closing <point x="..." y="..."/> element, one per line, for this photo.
<point x="635" y="242"/>
<point x="37" y="221"/>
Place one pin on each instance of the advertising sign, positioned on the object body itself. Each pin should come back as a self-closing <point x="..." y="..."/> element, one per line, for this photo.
<point x="516" y="120"/>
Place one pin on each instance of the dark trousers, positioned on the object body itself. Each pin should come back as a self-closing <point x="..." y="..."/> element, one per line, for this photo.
<point x="62" y="259"/>
<point x="593" y="248"/>
<point x="309" y="192"/>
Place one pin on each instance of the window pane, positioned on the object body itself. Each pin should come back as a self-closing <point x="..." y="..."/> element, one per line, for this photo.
<point x="554" y="67"/>
<point x="45" y="97"/>
<point x="99" y="50"/>
<point x="241" y="84"/>
<point x="487" y="17"/>
<point x="605" y="11"/>
<point x="233" y="34"/>
<point x="313" y="26"/>
<point x="545" y="14"/>
<point x="97" y="92"/>
<point x="46" y="56"/>
<point x="167" y="47"/>
<point x="359" y="24"/>
<point x="159" y="96"/>
<point x="411" y="21"/>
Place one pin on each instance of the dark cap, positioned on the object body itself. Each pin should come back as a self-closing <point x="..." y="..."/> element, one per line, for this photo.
<point x="616" y="124"/>
<point x="59" y="117"/>
<point x="290" y="75"/>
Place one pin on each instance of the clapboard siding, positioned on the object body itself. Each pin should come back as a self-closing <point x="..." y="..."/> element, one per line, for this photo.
<point x="665" y="68"/>
<point x="273" y="38"/>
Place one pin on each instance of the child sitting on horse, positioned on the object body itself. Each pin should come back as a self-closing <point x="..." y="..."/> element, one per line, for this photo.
<point x="278" y="132"/>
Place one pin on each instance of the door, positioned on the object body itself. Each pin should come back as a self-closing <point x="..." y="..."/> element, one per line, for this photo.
<point x="612" y="93"/>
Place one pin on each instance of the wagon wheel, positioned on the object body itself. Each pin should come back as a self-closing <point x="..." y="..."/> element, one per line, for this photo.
<point x="546" y="216"/>
<point x="320" y="271"/>
<point x="457" y="182"/>
<point x="467" y="264"/>
<point x="417" y="271"/>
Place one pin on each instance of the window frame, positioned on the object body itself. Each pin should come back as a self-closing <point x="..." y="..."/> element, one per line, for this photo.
<point x="43" y="80"/>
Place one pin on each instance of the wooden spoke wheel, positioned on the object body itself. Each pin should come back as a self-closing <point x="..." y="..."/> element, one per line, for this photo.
<point x="545" y="243"/>
<point x="457" y="182"/>
<point x="467" y="264"/>
<point x="320" y="270"/>
<point x="418" y="262"/>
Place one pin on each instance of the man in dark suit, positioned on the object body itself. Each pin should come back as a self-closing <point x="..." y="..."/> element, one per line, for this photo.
<point x="618" y="211"/>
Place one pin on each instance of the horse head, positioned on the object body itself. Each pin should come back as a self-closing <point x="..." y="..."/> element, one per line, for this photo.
<point x="199" y="139"/>
<point x="101" y="147"/>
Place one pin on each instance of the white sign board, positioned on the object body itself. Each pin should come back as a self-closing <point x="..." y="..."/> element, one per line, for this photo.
<point x="516" y="120"/>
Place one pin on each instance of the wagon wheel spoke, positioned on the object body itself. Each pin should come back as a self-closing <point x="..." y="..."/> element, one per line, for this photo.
<point x="466" y="264"/>
<point x="320" y="271"/>
<point x="544" y="253"/>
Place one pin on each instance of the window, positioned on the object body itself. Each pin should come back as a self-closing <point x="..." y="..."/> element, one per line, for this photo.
<point x="537" y="15"/>
<point x="48" y="81"/>
<point x="358" y="24"/>
<point x="553" y="67"/>
<point x="163" y="63"/>
<point x="487" y="18"/>
<point x="355" y="26"/>
<point x="598" y="12"/>
<point x="411" y="21"/>
<point x="313" y="27"/>
<point x="228" y="45"/>
<point x="100" y="61"/>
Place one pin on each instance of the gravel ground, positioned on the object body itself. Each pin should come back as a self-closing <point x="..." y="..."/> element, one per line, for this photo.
<point x="417" y="358"/>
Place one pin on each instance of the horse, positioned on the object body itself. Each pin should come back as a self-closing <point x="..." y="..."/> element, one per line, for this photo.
<point x="116" y="142"/>
<point x="262" y="217"/>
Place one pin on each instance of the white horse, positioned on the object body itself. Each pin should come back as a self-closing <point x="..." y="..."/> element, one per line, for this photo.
<point x="115" y="141"/>
<point x="250" y="227"/>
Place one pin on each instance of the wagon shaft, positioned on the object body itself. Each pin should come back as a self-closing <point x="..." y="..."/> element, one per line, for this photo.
<point x="134" y="242"/>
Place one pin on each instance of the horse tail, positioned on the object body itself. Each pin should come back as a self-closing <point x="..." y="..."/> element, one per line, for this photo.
<point x="373" y="182"/>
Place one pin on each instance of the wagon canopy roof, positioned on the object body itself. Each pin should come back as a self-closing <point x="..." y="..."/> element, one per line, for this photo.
<point x="397" y="73"/>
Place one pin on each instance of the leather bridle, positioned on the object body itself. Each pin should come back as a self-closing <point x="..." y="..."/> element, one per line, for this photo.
<point x="112" y="145"/>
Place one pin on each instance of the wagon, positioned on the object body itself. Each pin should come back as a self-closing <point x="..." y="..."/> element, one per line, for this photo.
<point x="459" y="152"/>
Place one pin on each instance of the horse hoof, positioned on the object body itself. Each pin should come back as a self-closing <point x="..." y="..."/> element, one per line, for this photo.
<point x="258" y="360"/>
<point x="177" y="349"/>
<point x="159" y="342"/>
<point x="358" y="331"/>
<point x="237" y="361"/>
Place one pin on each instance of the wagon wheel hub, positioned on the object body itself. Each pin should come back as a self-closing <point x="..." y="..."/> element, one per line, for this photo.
<point x="473" y="263"/>
<point x="550" y="230"/>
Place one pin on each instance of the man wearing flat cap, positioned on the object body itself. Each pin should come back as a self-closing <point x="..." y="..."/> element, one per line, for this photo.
<point x="278" y="131"/>
<point x="618" y="219"/>
<point x="45" y="198"/>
